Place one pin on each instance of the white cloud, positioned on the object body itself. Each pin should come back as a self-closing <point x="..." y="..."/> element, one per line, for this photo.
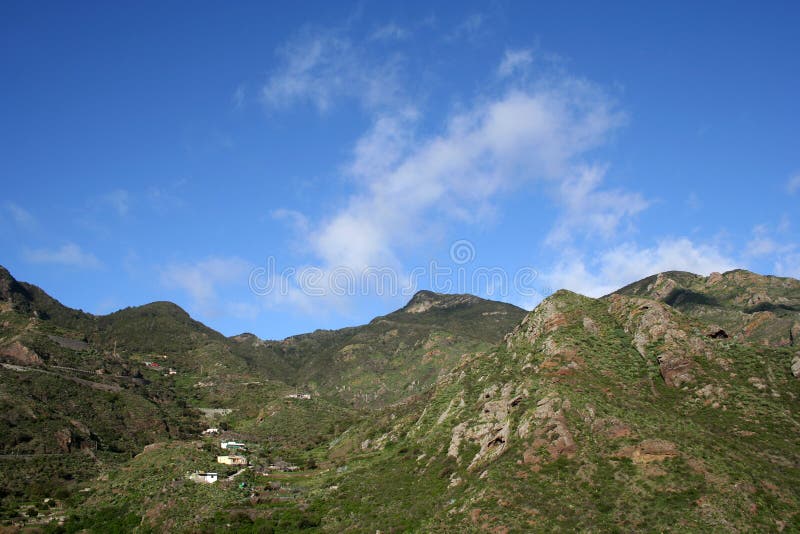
<point x="201" y="279"/>
<point x="788" y="265"/>
<point x="467" y="28"/>
<point x="319" y="66"/>
<point x="593" y="212"/>
<point x="515" y="61"/>
<point x="780" y="250"/>
<point x="693" y="202"/>
<point x="390" y="32"/>
<point x="166" y="198"/>
<point x="627" y="263"/>
<point x="238" y="97"/>
<point x="69" y="254"/>
<point x="295" y="219"/>
<point x="118" y="200"/>
<point x="408" y="183"/>
<point x="21" y="216"/>
<point x="412" y="179"/>
<point x="762" y="243"/>
<point x="793" y="185"/>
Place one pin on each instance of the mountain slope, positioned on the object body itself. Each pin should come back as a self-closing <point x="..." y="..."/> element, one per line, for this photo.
<point x="80" y="393"/>
<point x="393" y="356"/>
<point x="596" y="414"/>
<point x="747" y="306"/>
<point x="631" y="412"/>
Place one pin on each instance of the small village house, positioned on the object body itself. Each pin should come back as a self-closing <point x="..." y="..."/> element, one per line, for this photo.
<point x="204" y="478"/>
<point x="233" y="446"/>
<point x="233" y="459"/>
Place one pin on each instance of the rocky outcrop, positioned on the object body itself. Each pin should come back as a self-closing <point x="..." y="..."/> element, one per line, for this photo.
<point x="550" y="432"/>
<point x="662" y="287"/>
<point x="492" y="430"/>
<point x="545" y="319"/>
<point x="650" y="450"/>
<point x="656" y="332"/>
<point x="796" y="365"/>
<point x="748" y="306"/>
<point x="423" y="301"/>
<point x="20" y="354"/>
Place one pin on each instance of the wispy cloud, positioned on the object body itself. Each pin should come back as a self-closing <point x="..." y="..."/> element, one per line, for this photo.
<point x="468" y="28"/>
<point x="119" y="200"/>
<point x="238" y="97"/>
<point x="518" y="137"/>
<point x="21" y="217"/>
<point x="761" y="242"/>
<point x="412" y="179"/>
<point x="788" y="265"/>
<point x="69" y="254"/>
<point x="592" y="211"/>
<point x="515" y="61"/>
<point x="390" y="32"/>
<point x="319" y="66"/>
<point x="166" y="198"/>
<point x="793" y="185"/>
<point x="775" y="246"/>
<point x="298" y="222"/>
<point x="202" y="280"/>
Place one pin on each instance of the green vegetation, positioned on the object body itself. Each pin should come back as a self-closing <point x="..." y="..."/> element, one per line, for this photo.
<point x="626" y="413"/>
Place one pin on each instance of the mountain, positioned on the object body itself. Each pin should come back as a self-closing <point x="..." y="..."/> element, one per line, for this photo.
<point x="393" y="356"/>
<point x="69" y="403"/>
<point x="80" y="392"/>
<point x="669" y="405"/>
<point x="745" y="305"/>
<point x="621" y="413"/>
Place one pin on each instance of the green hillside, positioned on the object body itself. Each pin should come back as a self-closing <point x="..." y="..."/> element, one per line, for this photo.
<point x="667" y="406"/>
<point x="392" y="357"/>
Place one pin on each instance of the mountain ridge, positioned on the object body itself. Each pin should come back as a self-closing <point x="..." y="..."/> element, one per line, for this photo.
<point x="632" y="411"/>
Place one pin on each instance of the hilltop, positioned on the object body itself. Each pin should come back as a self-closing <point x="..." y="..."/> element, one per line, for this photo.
<point x="392" y="356"/>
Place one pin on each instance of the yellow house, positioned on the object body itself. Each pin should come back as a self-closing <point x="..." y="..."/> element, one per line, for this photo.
<point x="232" y="460"/>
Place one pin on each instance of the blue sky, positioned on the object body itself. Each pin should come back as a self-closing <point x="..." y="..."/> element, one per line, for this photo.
<point x="277" y="169"/>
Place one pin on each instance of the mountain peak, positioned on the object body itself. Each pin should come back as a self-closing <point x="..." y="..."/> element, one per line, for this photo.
<point x="425" y="300"/>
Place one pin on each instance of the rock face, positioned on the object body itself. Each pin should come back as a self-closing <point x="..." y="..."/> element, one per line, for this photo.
<point x="21" y="354"/>
<point x="550" y="432"/>
<point x="747" y="306"/>
<point x="423" y="301"/>
<point x="545" y="319"/>
<point x="654" y="324"/>
<point x="650" y="450"/>
<point x="492" y="430"/>
<point x="796" y="365"/>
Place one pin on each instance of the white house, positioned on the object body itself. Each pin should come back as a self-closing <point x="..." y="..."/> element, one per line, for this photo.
<point x="204" y="478"/>
<point x="211" y="431"/>
<point x="233" y="445"/>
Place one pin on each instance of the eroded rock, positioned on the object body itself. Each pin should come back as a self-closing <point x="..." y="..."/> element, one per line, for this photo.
<point x="653" y="323"/>
<point x="650" y="450"/>
<point x="20" y="354"/>
<point x="492" y="430"/>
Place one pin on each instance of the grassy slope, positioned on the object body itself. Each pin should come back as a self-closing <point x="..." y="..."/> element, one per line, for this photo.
<point x="732" y="456"/>
<point x="393" y="356"/>
<point x="568" y="424"/>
